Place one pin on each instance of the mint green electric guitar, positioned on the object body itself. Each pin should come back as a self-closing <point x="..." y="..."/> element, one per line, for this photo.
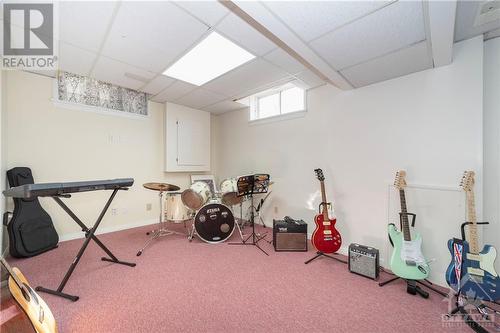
<point x="407" y="260"/>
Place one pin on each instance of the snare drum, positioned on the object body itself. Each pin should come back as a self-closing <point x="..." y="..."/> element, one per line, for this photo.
<point x="229" y="190"/>
<point x="196" y="195"/>
<point x="175" y="210"/>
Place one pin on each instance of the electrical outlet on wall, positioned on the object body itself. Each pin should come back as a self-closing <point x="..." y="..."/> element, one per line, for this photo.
<point x="275" y="210"/>
<point x="148" y="206"/>
<point x="114" y="211"/>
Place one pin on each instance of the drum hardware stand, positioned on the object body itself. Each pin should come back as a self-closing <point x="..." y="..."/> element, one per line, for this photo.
<point x="253" y="236"/>
<point x="162" y="230"/>
<point x="413" y="286"/>
<point x="320" y="253"/>
<point x="462" y="301"/>
<point x="89" y="235"/>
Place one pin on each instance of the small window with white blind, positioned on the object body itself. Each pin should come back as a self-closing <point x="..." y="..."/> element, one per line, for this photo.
<point x="277" y="102"/>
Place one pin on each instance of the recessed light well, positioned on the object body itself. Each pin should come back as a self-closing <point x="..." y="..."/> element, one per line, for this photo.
<point x="212" y="57"/>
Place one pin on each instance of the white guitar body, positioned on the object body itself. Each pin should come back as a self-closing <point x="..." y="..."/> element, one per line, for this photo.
<point x="486" y="261"/>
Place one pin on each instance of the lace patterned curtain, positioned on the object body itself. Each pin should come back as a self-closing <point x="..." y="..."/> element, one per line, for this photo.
<point x="84" y="90"/>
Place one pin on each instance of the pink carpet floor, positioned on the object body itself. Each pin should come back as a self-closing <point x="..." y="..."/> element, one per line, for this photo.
<point x="179" y="286"/>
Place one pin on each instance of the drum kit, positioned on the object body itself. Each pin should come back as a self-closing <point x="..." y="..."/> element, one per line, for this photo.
<point x="211" y="213"/>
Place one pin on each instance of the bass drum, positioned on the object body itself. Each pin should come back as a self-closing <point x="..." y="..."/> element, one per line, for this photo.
<point x="196" y="195"/>
<point x="229" y="189"/>
<point x="214" y="223"/>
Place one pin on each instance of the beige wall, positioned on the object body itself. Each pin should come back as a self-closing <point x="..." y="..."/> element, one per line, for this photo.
<point x="61" y="144"/>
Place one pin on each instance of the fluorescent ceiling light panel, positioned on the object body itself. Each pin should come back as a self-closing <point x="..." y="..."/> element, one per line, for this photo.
<point x="212" y="57"/>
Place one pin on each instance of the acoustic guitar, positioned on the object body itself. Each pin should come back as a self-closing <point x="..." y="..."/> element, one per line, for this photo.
<point x="33" y="305"/>
<point x="472" y="271"/>
<point x="325" y="237"/>
<point x="407" y="260"/>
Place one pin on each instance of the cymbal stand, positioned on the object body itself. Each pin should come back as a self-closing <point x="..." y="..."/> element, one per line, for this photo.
<point x="162" y="230"/>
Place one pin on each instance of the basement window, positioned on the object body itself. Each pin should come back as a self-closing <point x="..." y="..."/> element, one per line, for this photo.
<point x="277" y="102"/>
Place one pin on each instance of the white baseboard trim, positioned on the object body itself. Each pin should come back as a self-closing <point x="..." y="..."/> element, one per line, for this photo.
<point x="105" y="230"/>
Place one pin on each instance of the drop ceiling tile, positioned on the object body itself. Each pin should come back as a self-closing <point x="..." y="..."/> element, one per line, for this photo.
<point x="75" y="60"/>
<point x="83" y="23"/>
<point x="224" y="106"/>
<point x="389" y="29"/>
<point x="465" y="27"/>
<point x="156" y="85"/>
<point x="151" y="35"/>
<point x="124" y="75"/>
<point x="210" y="12"/>
<point x="283" y="60"/>
<point x="309" y="80"/>
<point x="409" y="60"/>
<point x="244" y="35"/>
<point x="200" y="98"/>
<point x="251" y="75"/>
<point x="310" y="19"/>
<point x="174" y="92"/>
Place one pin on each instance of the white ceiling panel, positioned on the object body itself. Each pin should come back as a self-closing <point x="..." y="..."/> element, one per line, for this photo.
<point x="157" y="84"/>
<point x="75" y="60"/>
<point x="283" y="60"/>
<point x="465" y="27"/>
<point x="152" y="35"/>
<point x="224" y="106"/>
<point x="200" y="98"/>
<point x="309" y="79"/>
<point x="247" y="77"/>
<point x="311" y="19"/>
<point x="210" y="12"/>
<point x="174" y="91"/>
<point x="409" y="60"/>
<point x="388" y="29"/>
<point x="244" y="35"/>
<point x="84" y="23"/>
<point x="121" y="74"/>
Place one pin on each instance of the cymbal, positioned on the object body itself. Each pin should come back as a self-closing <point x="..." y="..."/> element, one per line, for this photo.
<point x="164" y="187"/>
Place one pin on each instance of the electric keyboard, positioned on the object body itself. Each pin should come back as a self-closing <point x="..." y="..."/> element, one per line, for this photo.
<point x="29" y="191"/>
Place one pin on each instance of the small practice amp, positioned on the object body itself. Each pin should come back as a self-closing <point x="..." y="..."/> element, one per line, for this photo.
<point x="289" y="235"/>
<point x="364" y="260"/>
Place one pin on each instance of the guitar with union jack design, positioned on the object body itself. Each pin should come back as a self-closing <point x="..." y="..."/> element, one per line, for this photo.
<point x="472" y="271"/>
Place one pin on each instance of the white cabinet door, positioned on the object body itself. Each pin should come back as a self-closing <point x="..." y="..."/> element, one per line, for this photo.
<point x="187" y="139"/>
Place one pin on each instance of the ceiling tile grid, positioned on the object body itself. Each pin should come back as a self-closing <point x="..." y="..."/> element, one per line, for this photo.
<point x="209" y="12"/>
<point x="390" y="28"/>
<point x="84" y="24"/>
<point x="119" y="73"/>
<point x="75" y="60"/>
<point x="174" y="92"/>
<point x="200" y="98"/>
<point x="244" y="35"/>
<point x="408" y="60"/>
<point x="311" y="19"/>
<point x="158" y="84"/>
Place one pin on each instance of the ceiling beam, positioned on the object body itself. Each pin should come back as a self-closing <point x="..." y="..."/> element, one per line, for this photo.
<point x="261" y="19"/>
<point x="441" y="23"/>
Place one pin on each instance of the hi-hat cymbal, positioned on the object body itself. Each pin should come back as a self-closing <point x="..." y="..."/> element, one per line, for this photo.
<point x="164" y="187"/>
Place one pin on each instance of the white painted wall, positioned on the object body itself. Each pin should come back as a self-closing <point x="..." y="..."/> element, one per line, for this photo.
<point x="492" y="142"/>
<point x="429" y="123"/>
<point x="61" y="144"/>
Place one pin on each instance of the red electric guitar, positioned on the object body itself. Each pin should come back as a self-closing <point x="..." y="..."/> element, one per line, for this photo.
<point x="325" y="238"/>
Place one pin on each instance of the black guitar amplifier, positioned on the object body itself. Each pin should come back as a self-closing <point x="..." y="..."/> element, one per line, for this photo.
<point x="290" y="235"/>
<point x="364" y="260"/>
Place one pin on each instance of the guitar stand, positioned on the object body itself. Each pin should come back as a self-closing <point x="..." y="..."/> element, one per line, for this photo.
<point x="89" y="235"/>
<point x="322" y="254"/>
<point x="413" y="286"/>
<point x="461" y="301"/>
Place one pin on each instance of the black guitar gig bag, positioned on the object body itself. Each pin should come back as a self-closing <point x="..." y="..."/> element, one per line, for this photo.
<point x="30" y="230"/>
